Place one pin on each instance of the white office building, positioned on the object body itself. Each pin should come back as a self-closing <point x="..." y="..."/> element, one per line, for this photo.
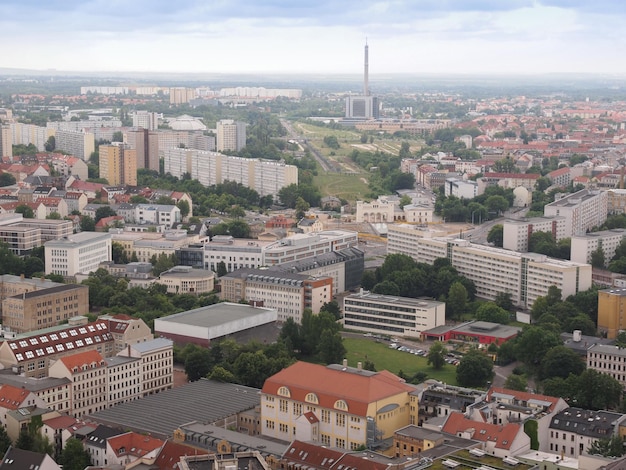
<point x="525" y="276"/>
<point x="607" y="240"/>
<point x="78" y="143"/>
<point x="462" y="189"/>
<point x="583" y="210"/>
<point x="391" y="315"/>
<point x="516" y="233"/>
<point x="78" y="253"/>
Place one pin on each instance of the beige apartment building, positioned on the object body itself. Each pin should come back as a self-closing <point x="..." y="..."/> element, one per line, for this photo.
<point x="607" y="240"/>
<point x="157" y="364"/>
<point x="88" y="372"/>
<point x="123" y="379"/>
<point x="118" y="165"/>
<point x="517" y="232"/>
<point x="44" y="308"/>
<point x="231" y="135"/>
<point x="79" y="253"/>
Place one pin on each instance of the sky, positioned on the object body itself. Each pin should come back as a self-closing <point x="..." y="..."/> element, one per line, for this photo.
<point x="500" y="37"/>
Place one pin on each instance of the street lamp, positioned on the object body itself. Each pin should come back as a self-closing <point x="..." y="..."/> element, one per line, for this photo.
<point x="480" y="216"/>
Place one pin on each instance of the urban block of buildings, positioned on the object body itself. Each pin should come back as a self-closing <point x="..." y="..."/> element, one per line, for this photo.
<point x="525" y="276"/>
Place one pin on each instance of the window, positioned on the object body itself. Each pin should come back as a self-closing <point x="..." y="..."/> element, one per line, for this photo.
<point x="325" y="416"/>
<point x="341" y="419"/>
<point x="284" y="406"/>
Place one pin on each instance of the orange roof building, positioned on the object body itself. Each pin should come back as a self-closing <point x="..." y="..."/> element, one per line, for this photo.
<point x="498" y="440"/>
<point x="348" y="404"/>
<point x="127" y="448"/>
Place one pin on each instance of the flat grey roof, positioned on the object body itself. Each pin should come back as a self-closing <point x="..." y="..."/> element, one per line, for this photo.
<point x="487" y="328"/>
<point x="152" y="345"/>
<point x="30" y="383"/>
<point x="204" y="401"/>
<point x="214" y="315"/>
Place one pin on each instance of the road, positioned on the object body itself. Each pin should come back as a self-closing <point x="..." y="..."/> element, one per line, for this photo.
<point x="304" y="144"/>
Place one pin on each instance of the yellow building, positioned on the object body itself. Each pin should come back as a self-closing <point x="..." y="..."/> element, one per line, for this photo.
<point x="336" y="406"/>
<point x="611" y="312"/>
<point x="118" y="165"/>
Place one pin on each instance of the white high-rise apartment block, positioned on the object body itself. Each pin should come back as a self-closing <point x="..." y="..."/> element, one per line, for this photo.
<point x="583" y="210"/>
<point x="266" y="177"/>
<point x="146" y="119"/>
<point x="6" y="141"/>
<point x="516" y="233"/>
<point x="231" y="135"/>
<point x="607" y="240"/>
<point x="79" y="253"/>
<point x="525" y="276"/>
<point x="77" y="143"/>
<point x="26" y="134"/>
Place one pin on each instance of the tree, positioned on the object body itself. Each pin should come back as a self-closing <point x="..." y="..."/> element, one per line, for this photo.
<point x="456" y="303"/>
<point x="364" y="138"/>
<point x="531" y="428"/>
<point x="7" y="179"/>
<point x="87" y="224"/>
<point x="118" y="136"/>
<point x="117" y="253"/>
<point x="516" y="382"/>
<point x="5" y="441"/>
<point x="74" y="455"/>
<point x="332" y="142"/>
<point x="560" y="361"/>
<point x="496" y="235"/>
<point x="239" y="229"/>
<point x="504" y="300"/>
<point x="436" y="355"/>
<point x="104" y="211"/>
<point x="221" y="269"/>
<point x="50" y="144"/>
<point x="597" y="391"/>
<point x="597" y="258"/>
<point x="607" y="447"/>
<point x="490" y="312"/>
<point x="54" y="216"/>
<point x="197" y="364"/>
<point x="474" y="370"/>
<point x="183" y="206"/>
<point x="301" y="208"/>
<point x="533" y="344"/>
<point x="25" y="441"/>
<point x="162" y="263"/>
<point x="331" y="348"/>
<point x="26" y="211"/>
<point x="221" y="374"/>
<point x="497" y="204"/>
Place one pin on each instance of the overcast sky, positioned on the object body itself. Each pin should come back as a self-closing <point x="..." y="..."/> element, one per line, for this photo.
<point x="317" y="36"/>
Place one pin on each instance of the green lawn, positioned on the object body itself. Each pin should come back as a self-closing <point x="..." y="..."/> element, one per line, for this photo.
<point x="385" y="358"/>
<point x="346" y="186"/>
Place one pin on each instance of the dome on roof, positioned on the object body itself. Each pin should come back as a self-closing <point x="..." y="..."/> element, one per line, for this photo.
<point x="186" y="123"/>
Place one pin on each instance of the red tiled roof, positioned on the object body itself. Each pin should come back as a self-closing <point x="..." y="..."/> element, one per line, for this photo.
<point x="311" y="455"/>
<point x="61" y="422"/>
<point x="170" y="455"/>
<point x="503" y="436"/>
<point x="134" y="444"/>
<point x="83" y="359"/>
<point x="60" y="341"/>
<point x="559" y="172"/>
<point x="520" y="176"/>
<point x="356" y="389"/>
<point x="311" y="418"/>
<point x="12" y="397"/>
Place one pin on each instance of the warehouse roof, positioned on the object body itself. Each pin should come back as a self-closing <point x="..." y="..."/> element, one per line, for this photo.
<point x="214" y="315"/>
<point x="160" y="414"/>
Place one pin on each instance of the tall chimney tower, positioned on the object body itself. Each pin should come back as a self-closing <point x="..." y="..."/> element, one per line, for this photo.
<point x="366" y="87"/>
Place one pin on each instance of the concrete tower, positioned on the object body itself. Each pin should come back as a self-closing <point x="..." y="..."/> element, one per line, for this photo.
<point x="366" y="87"/>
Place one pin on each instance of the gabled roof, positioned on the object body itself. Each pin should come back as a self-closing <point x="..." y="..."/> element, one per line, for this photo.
<point x="133" y="444"/>
<point x="518" y="176"/>
<point x="502" y="436"/>
<point x="32" y="345"/>
<point x="18" y="459"/>
<point x="86" y="359"/>
<point x="99" y="436"/>
<point x="358" y="388"/>
<point x="63" y="422"/>
<point x="169" y="457"/>
<point x="12" y="397"/>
